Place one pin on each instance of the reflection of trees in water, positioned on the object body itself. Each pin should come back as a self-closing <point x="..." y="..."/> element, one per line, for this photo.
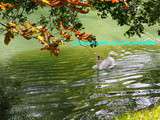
<point x="50" y="94"/>
<point x="44" y="96"/>
<point x="152" y="70"/>
<point x="5" y="104"/>
<point x="152" y="76"/>
<point x="8" y="93"/>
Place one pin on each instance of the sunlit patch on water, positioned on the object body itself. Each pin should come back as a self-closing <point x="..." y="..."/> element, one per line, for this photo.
<point x="67" y="88"/>
<point x="138" y="85"/>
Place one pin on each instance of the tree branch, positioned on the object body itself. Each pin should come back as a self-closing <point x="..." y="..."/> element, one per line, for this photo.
<point x="3" y="24"/>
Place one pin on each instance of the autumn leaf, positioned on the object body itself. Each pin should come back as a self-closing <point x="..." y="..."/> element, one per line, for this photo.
<point x="53" y="48"/>
<point x="29" y="30"/>
<point x="6" y="6"/>
<point x="115" y="1"/>
<point x="8" y="36"/>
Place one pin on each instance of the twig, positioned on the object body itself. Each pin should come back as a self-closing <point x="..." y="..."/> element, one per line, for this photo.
<point x="3" y="24"/>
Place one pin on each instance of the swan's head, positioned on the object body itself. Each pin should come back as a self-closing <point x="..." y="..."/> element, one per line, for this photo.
<point x="112" y="54"/>
<point x="98" y="57"/>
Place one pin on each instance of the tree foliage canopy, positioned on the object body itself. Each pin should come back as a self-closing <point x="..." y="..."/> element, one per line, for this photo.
<point x="63" y="18"/>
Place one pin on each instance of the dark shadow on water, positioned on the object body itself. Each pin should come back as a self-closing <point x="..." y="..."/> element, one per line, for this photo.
<point x="8" y="93"/>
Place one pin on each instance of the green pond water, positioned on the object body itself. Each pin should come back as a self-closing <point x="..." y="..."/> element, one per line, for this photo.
<point x="37" y="86"/>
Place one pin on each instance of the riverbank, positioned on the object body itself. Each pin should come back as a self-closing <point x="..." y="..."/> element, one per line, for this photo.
<point x="147" y="114"/>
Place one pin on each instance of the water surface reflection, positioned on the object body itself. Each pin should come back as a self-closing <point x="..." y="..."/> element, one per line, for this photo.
<point x="67" y="87"/>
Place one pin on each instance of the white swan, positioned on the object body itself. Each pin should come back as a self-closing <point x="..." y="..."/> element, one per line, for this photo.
<point x="107" y="63"/>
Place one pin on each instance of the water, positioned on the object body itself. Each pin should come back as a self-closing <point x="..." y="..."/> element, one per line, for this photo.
<point x="65" y="88"/>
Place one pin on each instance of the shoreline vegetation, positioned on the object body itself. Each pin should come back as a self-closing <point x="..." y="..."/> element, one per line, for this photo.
<point x="144" y="114"/>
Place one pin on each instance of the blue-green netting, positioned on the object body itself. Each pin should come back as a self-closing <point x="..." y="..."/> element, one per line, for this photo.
<point x="115" y="42"/>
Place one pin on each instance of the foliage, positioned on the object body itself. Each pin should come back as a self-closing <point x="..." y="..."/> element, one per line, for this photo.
<point x="62" y="17"/>
<point x="148" y="114"/>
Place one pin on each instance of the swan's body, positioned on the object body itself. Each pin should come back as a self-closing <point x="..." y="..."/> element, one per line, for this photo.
<point x="107" y="63"/>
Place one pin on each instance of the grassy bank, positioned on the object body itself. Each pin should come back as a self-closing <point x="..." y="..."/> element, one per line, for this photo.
<point x="147" y="114"/>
